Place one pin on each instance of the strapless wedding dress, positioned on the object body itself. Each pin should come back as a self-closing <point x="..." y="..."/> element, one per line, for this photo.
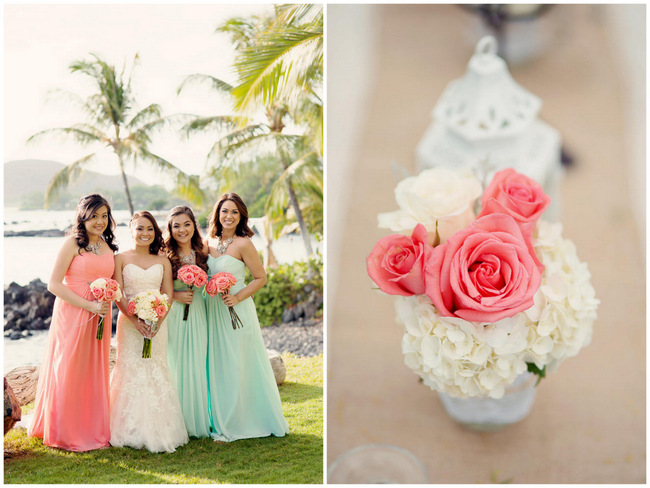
<point x="145" y="410"/>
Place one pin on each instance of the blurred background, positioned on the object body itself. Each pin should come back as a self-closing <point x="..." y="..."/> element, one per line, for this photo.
<point x="387" y="68"/>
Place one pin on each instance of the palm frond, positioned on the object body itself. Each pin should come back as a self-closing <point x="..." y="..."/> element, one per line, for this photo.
<point x="201" y="79"/>
<point x="81" y="134"/>
<point x="65" y="177"/>
<point x="147" y="114"/>
<point x="296" y="14"/>
<point x="218" y="122"/>
<point x="277" y="66"/>
<point x="236" y="140"/>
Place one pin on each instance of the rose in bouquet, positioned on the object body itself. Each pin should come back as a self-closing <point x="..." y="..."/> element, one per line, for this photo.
<point x="149" y="306"/>
<point x="221" y="283"/>
<point x="486" y="301"/>
<point x="192" y="276"/>
<point x="104" y="290"/>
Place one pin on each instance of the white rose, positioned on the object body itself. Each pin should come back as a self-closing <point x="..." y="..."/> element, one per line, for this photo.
<point x="436" y="194"/>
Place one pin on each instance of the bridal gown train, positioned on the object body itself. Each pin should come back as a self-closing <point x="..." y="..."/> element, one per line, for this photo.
<point x="145" y="410"/>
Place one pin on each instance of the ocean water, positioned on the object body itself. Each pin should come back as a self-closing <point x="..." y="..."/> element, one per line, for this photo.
<point x="27" y="258"/>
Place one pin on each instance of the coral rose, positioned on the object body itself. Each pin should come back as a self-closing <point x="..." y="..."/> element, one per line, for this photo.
<point x="484" y="273"/>
<point x="516" y="195"/>
<point x="109" y="295"/>
<point x="98" y="293"/>
<point x="130" y="309"/>
<point x="396" y="263"/>
<point x="160" y="310"/>
<point x="186" y="274"/>
<point x="200" y="279"/>
<point x="112" y="284"/>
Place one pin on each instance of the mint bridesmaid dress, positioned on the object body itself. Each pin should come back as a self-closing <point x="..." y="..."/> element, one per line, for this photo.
<point x="244" y="398"/>
<point x="72" y="396"/>
<point x="187" y="350"/>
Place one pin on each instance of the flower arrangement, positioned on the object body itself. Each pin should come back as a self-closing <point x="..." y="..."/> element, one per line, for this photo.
<point x="221" y="283"/>
<point x="150" y="306"/>
<point x="104" y="290"/>
<point x="482" y="299"/>
<point x="192" y="276"/>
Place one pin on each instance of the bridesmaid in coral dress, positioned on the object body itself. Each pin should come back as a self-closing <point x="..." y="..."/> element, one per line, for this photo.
<point x="72" y="397"/>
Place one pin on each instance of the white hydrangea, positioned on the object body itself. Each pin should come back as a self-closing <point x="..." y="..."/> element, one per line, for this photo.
<point x="466" y="359"/>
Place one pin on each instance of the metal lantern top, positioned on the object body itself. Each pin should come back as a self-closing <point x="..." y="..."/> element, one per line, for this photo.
<point x="486" y="102"/>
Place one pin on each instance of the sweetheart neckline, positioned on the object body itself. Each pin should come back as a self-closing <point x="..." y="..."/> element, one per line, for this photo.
<point x="143" y="269"/>
<point x="211" y="256"/>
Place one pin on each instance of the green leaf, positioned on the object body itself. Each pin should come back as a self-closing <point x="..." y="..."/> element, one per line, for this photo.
<point x="532" y="368"/>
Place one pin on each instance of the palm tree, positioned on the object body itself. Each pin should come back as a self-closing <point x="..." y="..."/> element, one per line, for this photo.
<point x="279" y="67"/>
<point x="112" y="123"/>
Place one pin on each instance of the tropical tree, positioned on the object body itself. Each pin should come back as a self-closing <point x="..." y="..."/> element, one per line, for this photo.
<point x="111" y="123"/>
<point x="287" y="92"/>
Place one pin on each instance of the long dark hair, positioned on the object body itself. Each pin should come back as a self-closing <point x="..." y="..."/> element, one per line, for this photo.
<point x="196" y="242"/>
<point x="215" y="227"/>
<point x="158" y="241"/>
<point x="85" y="209"/>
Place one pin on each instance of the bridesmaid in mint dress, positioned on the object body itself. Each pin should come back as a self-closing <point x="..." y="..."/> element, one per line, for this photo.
<point x="72" y="396"/>
<point x="244" y="398"/>
<point x="187" y="347"/>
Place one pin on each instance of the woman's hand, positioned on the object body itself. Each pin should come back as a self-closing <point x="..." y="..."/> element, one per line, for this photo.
<point x="230" y="300"/>
<point x="184" y="296"/>
<point x="142" y="327"/>
<point x="100" y="308"/>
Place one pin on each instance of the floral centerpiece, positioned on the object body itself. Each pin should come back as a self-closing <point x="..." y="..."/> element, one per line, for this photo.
<point x="221" y="283"/>
<point x="486" y="298"/>
<point x="192" y="276"/>
<point x="149" y="306"/>
<point x="104" y="290"/>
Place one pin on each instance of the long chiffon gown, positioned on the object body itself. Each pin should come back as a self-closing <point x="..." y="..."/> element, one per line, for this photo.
<point x="72" y="396"/>
<point x="187" y="351"/>
<point x="145" y="411"/>
<point x="244" y="398"/>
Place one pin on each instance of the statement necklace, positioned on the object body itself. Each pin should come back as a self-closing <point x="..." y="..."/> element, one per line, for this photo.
<point x="94" y="248"/>
<point x="221" y="247"/>
<point x="189" y="259"/>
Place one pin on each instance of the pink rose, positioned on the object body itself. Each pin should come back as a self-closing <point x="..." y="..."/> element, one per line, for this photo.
<point x="130" y="309"/>
<point x="396" y="263"/>
<point x="211" y="287"/>
<point x="98" y="293"/>
<point x="160" y="310"/>
<point x="200" y="279"/>
<point x="112" y="285"/>
<point x="484" y="273"/>
<point x="186" y="274"/>
<point x="109" y="295"/>
<point x="516" y="195"/>
<point x="223" y="283"/>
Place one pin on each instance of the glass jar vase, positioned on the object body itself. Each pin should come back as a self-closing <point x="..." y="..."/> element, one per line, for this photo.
<point x="490" y="414"/>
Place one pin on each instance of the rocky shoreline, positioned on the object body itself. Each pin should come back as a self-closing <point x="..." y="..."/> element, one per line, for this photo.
<point x="29" y="308"/>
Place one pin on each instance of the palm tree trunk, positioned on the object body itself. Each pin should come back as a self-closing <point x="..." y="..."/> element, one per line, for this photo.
<point x="126" y="186"/>
<point x="299" y="217"/>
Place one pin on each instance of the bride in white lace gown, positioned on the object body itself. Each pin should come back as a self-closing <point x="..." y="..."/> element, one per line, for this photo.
<point x="145" y="410"/>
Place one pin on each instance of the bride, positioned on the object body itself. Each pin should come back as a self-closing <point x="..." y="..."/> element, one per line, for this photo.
<point x="145" y="410"/>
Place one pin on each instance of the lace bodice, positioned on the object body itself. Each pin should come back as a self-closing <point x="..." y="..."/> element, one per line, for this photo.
<point x="137" y="279"/>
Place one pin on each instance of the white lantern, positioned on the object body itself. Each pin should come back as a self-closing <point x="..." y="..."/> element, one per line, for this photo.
<point x="487" y="122"/>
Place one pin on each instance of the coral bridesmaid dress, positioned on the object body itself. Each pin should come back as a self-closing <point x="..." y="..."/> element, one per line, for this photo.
<point x="72" y="397"/>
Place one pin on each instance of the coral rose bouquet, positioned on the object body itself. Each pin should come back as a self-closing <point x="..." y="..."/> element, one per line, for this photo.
<point x="149" y="306"/>
<point x="104" y="290"/>
<point x="192" y="276"/>
<point x="482" y="299"/>
<point x="220" y="284"/>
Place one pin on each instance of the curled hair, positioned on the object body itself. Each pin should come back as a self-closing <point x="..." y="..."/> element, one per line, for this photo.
<point x="86" y="207"/>
<point x="196" y="242"/>
<point x="158" y="241"/>
<point x="215" y="227"/>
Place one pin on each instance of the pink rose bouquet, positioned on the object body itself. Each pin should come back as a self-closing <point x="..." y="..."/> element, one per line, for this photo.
<point x="500" y="296"/>
<point x="104" y="290"/>
<point x="192" y="276"/>
<point x="149" y="306"/>
<point x="221" y="283"/>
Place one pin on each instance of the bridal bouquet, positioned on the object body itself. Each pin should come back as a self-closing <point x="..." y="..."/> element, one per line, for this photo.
<point x="220" y="283"/>
<point x="104" y="290"/>
<point x="191" y="275"/>
<point x="150" y="306"/>
<point x="483" y="298"/>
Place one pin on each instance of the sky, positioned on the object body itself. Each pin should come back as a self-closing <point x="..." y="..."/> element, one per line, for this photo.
<point x="172" y="41"/>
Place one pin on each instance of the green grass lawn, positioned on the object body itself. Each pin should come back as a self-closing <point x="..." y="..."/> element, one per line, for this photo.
<point x="295" y="458"/>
